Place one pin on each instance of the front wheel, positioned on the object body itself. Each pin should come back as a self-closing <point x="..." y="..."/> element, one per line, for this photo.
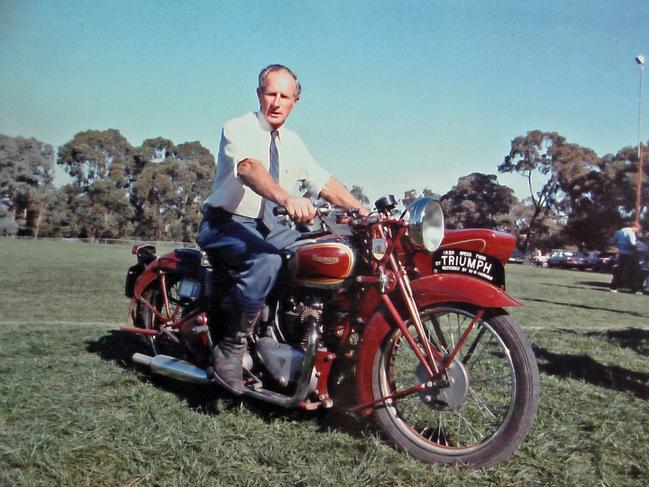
<point x="488" y="407"/>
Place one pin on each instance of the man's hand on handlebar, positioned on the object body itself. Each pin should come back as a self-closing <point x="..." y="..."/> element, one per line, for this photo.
<point x="300" y="210"/>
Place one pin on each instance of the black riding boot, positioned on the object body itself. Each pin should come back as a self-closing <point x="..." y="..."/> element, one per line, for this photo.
<point x="227" y="355"/>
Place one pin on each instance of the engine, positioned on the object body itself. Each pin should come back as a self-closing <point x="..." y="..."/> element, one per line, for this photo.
<point x="292" y="316"/>
<point x="281" y="347"/>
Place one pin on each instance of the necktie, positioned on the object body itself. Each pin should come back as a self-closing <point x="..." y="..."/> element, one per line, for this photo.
<point x="269" y="219"/>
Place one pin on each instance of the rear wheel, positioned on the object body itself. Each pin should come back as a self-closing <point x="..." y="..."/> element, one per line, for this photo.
<point x="485" y="413"/>
<point x="150" y="320"/>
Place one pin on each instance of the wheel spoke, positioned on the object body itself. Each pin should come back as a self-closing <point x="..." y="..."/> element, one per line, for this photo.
<point x="498" y="379"/>
<point x="460" y="322"/>
<point x="482" y="406"/>
<point x="469" y="427"/>
<point x="440" y="430"/>
<point x="474" y="344"/>
<point x="439" y="333"/>
<point x="480" y="349"/>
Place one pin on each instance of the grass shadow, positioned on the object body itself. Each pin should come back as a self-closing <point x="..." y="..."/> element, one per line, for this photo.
<point x="583" y="367"/>
<point x="636" y="339"/>
<point x="585" y="285"/>
<point x="119" y="347"/>
<point x="585" y="306"/>
<point x="598" y="284"/>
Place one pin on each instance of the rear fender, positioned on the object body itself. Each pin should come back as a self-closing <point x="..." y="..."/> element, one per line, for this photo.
<point x="179" y="262"/>
<point x="429" y="290"/>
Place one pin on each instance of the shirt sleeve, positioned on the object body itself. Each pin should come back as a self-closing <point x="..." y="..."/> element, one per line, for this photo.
<point x="234" y="146"/>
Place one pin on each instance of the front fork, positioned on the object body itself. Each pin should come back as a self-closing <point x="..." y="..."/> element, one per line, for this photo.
<point x="432" y="360"/>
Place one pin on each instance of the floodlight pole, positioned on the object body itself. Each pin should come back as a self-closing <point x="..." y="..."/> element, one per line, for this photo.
<point x="640" y="60"/>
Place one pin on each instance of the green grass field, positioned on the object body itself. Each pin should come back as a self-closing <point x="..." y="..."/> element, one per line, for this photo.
<point x="73" y="411"/>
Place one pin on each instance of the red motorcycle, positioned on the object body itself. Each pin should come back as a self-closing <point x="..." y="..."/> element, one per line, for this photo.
<point x="416" y="313"/>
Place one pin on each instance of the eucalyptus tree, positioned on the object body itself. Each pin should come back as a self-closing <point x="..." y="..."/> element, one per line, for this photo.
<point x="169" y="190"/>
<point x="560" y="176"/>
<point x="479" y="201"/>
<point x="98" y="155"/>
<point x="26" y="175"/>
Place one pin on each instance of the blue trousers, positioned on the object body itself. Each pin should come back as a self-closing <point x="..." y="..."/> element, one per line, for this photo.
<point x="246" y="246"/>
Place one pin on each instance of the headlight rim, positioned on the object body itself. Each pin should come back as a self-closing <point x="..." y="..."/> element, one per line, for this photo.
<point x="415" y="215"/>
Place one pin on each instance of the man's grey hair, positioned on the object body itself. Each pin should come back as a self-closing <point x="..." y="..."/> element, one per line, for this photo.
<point x="263" y="74"/>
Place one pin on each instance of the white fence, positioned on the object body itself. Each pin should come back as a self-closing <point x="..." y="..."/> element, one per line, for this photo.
<point x="111" y="241"/>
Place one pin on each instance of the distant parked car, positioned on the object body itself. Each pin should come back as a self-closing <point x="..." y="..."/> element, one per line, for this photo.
<point x="605" y="262"/>
<point x="517" y="257"/>
<point x="591" y="258"/>
<point x="567" y="259"/>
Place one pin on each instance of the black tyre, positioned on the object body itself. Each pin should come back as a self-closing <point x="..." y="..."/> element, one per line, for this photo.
<point x="486" y="412"/>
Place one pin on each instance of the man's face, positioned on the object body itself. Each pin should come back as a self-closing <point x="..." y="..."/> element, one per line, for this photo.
<point x="277" y="98"/>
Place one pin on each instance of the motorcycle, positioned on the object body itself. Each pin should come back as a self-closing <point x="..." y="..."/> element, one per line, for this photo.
<point x="414" y="311"/>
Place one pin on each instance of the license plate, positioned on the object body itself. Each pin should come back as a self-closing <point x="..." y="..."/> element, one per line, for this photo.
<point x="470" y="263"/>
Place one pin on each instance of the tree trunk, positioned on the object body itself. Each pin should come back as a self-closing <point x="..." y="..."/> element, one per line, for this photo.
<point x="531" y="228"/>
<point x="38" y="222"/>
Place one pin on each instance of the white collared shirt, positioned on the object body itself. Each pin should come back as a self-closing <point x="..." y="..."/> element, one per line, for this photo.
<point x="246" y="137"/>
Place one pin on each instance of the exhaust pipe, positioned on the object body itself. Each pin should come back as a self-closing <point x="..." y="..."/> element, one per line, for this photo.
<point x="173" y="368"/>
<point x="186" y="372"/>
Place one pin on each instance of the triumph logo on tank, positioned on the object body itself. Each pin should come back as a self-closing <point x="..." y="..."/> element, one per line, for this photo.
<point x="465" y="262"/>
<point x="323" y="259"/>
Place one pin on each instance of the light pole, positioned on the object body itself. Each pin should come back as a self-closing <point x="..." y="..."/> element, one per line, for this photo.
<point x="640" y="60"/>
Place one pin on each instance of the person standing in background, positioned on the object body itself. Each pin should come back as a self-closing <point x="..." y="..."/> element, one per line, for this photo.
<point x="627" y="274"/>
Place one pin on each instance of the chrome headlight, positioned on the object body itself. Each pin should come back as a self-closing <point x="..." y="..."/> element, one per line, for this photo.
<point x="426" y="223"/>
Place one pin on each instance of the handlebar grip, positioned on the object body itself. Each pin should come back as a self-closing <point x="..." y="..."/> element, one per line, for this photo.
<point x="280" y="211"/>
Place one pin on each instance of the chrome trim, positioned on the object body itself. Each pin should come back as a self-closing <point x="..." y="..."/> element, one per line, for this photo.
<point x="172" y="367"/>
<point x="425" y="215"/>
<point x="471" y="240"/>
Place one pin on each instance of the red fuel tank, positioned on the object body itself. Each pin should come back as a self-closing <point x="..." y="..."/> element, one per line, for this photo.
<point x="322" y="262"/>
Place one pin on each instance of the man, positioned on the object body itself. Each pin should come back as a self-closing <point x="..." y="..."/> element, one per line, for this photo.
<point x="260" y="164"/>
<point x="627" y="274"/>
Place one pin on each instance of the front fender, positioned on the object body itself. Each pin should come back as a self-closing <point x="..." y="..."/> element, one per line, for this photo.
<point x="429" y="290"/>
<point x="460" y="288"/>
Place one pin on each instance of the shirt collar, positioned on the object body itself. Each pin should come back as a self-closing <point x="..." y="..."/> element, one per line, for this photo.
<point x="263" y="123"/>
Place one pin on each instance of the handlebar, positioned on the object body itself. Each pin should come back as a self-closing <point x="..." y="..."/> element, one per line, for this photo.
<point x="323" y="210"/>
<point x="349" y="217"/>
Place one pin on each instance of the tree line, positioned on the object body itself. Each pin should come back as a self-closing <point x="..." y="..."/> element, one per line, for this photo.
<point x="154" y="191"/>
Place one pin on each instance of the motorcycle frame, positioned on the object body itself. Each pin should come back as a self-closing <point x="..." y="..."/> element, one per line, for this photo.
<point x="387" y="295"/>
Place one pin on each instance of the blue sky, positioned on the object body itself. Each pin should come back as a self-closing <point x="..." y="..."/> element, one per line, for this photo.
<point x="396" y="95"/>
